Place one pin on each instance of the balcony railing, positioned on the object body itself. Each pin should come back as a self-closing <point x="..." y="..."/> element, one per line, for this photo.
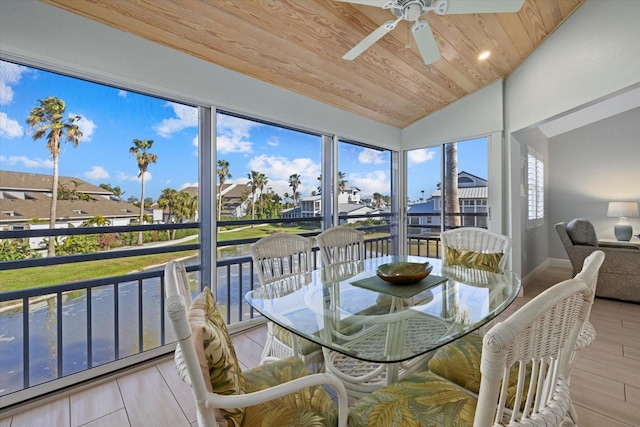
<point x="53" y="332"/>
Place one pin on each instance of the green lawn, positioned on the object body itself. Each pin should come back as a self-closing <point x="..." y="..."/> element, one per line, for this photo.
<point x="23" y="278"/>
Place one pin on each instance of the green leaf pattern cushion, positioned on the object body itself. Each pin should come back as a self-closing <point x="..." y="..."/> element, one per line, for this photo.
<point x="472" y="259"/>
<point x="459" y="362"/>
<point x="305" y="346"/>
<point x="420" y="400"/>
<point x="216" y="355"/>
<point x="311" y="407"/>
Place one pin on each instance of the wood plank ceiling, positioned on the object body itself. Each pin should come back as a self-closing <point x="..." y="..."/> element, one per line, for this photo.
<point x="298" y="45"/>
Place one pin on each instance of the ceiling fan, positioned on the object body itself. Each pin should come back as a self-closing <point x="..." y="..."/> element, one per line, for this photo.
<point x="411" y="10"/>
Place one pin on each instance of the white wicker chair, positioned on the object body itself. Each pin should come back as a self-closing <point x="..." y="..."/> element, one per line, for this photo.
<point x="524" y="365"/>
<point x="464" y="352"/>
<point x="477" y="240"/>
<point x="277" y="257"/>
<point x="208" y="403"/>
<point x="340" y="245"/>
<point x="344" y="246"/>
<point x="589" y="274"/>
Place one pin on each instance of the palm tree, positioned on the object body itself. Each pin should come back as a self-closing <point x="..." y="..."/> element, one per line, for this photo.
<point x="294" y="183"/>
<point x="143" y="158"/>
<point x="223" y="174"/>
<point x="168" y="200"/>
<point x="117" y="191"/>
<point x="253" y="182"/>
<point x="46" y="120"/>
<point x="377" y="200"/>
<point x="261" y="181"/>
<point x="451" y="200"/>
<point x="342" y="181"/>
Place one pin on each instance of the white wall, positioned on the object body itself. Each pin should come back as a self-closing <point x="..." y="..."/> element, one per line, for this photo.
<point x="594" y="54"/>
<point x="588" y="168"/>
<point x="477" y="114"/>
<point x="41" y="34"/>
<point x="535" y="247"/>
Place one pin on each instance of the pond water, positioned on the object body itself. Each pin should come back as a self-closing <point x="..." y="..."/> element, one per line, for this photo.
<point x="43" y="328"/>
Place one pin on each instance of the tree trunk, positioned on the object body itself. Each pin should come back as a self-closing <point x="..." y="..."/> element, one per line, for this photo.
<point x="141" y="209"/>
<point x="451" y="200"/>
<point x="51" y="249"/>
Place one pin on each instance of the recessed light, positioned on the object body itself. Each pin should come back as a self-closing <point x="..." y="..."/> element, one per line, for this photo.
<point x="484" y="55"/>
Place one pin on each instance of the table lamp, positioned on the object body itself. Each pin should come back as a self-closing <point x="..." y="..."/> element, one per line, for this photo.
<point x="623" y="210"/>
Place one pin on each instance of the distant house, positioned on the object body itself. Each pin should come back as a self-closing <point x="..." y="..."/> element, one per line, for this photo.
<point x="232" y="199"/>
<point x="473" y="195"/>
<point x="349" y="203"/>
<point x="233" y="204"/>
<point x="25" y="203"/>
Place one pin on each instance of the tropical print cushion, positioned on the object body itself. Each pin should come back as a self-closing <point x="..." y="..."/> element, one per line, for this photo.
<point x="459" y="362"/>
<point x="311" y="407"/>
<point x="472" y="259"/>
<point x="419" y="400"/>
<point x="305" y="347"/>
<point x="216" y="355"/>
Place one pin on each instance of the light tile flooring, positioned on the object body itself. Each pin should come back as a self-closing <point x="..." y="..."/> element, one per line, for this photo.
<point x="605" y="381"/>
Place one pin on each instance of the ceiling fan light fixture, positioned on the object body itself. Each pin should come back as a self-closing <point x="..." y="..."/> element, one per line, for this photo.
<point x="484" y="55"/>
<point x="412" y="10"/>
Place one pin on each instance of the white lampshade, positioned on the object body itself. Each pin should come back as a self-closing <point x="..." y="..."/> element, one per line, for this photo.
<point x="623" y="210"/>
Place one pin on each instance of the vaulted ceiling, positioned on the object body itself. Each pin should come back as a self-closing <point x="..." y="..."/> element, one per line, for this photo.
<point x="299" y="44"/>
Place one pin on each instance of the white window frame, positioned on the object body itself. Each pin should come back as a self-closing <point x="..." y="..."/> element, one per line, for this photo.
<point x="535" y="188"/>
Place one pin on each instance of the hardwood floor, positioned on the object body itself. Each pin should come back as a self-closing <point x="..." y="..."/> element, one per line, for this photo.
<point x="605" y="382"/>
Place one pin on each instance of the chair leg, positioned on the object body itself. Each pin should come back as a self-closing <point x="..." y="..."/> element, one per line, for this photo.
<point x="573" y="415"/>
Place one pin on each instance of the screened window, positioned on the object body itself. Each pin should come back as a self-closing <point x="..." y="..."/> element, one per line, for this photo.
<point x="535" y="188"/>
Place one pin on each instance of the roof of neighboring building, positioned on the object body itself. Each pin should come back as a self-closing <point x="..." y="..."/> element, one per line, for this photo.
<point x="352" y="207"/>
<point x="425" y="207"/>
<point x="38" y="205"/>
<point x="25" y="196"/>
<point x="21" y="181"/>
<point x="192" y="191"/>
<point x="468" y="193"/>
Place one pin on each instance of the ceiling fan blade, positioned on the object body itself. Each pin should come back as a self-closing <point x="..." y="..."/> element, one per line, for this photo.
<point x="426" y="42"/>
<point x="368" y="41"/>
<point x="480" y="6"/>
<point x="376" y="3"/>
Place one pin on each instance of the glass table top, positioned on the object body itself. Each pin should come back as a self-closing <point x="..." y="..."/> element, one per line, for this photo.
<point x="347" y="308"/>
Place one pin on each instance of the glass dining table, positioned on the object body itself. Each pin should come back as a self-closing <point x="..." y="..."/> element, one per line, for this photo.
<point x="348" y="309"/>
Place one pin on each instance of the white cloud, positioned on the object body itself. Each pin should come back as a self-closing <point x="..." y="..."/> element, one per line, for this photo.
<point x="86" y="127"/>
<point x="27" y="162"/>
<point x="420" y="156"/>
<point x="195" y="142"/>
<point x="10" y="74"/>
<point x="188" y="184"/>
<point x="278" y="169"/>
<point x="369" y="156"/>
<point x="186" y="116"/>
<point x="233" y="134"/>
<point x="122" y="93"/>
<point x="274" y="141"/>
<point x="97" y="173"/>
<point x="9" y="128"/>
<point x="372" y="182"/>
<point x="121" y="176"/>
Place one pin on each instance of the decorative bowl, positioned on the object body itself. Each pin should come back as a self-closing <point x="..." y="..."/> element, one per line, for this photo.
<point x="404" y="273"/>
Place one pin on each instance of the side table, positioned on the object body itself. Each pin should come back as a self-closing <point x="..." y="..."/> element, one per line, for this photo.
<point x="634" y="242"/>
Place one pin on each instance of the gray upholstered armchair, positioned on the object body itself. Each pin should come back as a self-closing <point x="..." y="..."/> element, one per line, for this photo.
<point x="619" y="276"/>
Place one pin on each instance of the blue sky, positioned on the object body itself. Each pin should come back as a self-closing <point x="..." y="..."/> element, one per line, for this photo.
<point x="112" y="118"/>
